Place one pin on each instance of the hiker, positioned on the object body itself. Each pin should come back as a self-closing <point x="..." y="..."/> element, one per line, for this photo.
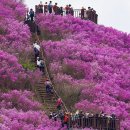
<point x="81" y="115"/>
<point x="89" y="13"/>
<point x="40" y="64"/>
<point x="61" y="11"/>
<point x="59" y="104"/>
<point x="36" y="50"/>
<point x="61" y="116"/>
<point x="53" y="116"/>
<point x="82" y="12"/>
<point x="50" y="7"/>
<point x="55" y="9"/>
<point x="40" y="7"/>
<point x="67" y="9"/>
<point x="49" y="89"/>
<point x="66" y="120"/>
<point x="45" y="8"/>
<point x="31" y="12"/>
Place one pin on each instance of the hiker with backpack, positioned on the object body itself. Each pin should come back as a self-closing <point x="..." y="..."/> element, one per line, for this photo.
<point x="41" y="66"/>
<point x="59" y="104"/>
<point x="49" y="89"/>
<point x="66" y="120"/>
<point x="36" y="50"/>
<point x="31" y="12"/>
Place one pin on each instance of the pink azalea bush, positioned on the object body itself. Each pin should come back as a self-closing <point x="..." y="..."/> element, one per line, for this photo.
<point x="20" y="100"/>
<point x="12" y="9"/>
<point x="14" y="39"/>
<point x="12" y="74"/>
<point x="10" y="69"/>
<point x="18" y="110"/>
<point x="93" y="57"/>
<point x="15" y="36"/>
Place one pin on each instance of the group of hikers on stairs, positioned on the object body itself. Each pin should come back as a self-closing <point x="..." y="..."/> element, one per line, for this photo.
<point x="40" y="63"/>
<point x="79" y="119"/>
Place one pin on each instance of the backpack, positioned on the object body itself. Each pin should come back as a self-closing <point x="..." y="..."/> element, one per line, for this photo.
<point x="42" y="64"/>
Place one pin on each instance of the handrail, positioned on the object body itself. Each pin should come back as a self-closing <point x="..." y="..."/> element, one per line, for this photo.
<point x="51" y="82"/>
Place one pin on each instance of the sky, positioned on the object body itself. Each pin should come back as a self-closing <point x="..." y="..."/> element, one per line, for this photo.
<point x="111" y="13"/>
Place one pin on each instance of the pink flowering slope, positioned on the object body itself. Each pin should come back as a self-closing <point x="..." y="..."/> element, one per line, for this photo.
<point x="14" y="39"/>
<point x="18" y="110"/>
<point x="14" y="35"/>
<point x="94" y="58"/>
<point x="12" y="9"/>
<point x="10" y="69"/>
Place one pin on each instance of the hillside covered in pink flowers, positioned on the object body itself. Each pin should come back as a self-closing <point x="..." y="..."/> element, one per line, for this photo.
<point x="18" y="108"/>
<point x="90" y="64"/>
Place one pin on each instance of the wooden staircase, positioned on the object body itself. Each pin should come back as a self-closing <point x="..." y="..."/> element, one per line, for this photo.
<point x="48" y="101"/>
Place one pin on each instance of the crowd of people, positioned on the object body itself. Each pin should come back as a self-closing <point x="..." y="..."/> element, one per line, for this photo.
<point x="55" y="9"/>
<point x="89" y="14"/>
<point x="85" y="120"/>
<point x="48" y="8"/>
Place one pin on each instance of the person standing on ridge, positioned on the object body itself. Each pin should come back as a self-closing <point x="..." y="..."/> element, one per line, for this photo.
<point x="55" y="9"/>
<point x="45" y="8"/>
<point x="36" y="50"/>
<point x="50" y="7"/>
<point x="40" y="7"/>
<point x="67" y="9"/>
<point x="31" y="12"/>
<point x="82" y="12"/>
<point x="89" y="13"/>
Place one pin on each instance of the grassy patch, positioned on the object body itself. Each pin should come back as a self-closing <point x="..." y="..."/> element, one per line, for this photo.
<point x="28" y="65"/>
<point x="69" y="94"/>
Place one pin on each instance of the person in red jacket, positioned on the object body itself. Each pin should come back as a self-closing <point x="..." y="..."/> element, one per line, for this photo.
<point x="66" y="120"/>
<point x="55" y="8"/>
<point x="59" y="104"/>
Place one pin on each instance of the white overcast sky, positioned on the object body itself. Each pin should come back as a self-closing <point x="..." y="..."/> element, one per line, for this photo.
<point x="113" y="13"/>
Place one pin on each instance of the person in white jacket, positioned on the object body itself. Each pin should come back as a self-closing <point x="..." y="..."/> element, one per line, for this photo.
<point x="40" y="64"/>
<point x="36" y="50"/>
